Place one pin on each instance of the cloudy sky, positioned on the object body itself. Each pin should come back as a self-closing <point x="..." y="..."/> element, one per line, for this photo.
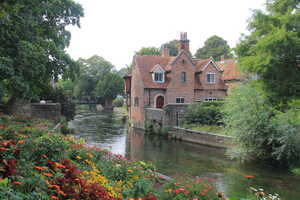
<point x="115" y="29"/>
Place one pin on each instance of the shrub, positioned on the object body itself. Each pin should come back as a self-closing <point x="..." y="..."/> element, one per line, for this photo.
<point x="261" y="131"/>
<point x="118" y="102"/>
<point x="204" y="113"/>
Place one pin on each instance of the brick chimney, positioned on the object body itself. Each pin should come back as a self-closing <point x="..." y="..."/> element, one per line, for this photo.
<point x="184" y="43"/>
<point x="165" y="52"/>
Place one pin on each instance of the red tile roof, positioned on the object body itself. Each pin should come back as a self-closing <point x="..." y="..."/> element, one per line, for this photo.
<point x="230" y="70"/>
<point x="145" y="64"/>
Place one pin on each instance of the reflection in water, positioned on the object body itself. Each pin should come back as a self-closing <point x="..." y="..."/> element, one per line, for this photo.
<point x="107" y="130"/>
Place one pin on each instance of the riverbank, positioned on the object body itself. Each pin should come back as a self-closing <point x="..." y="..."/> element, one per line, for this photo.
<point x="39" y="164"/>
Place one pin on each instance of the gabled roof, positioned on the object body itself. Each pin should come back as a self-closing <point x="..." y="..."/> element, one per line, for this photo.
<point x="157" y="68"/>
<point x="230" y="70"/>
<point x="183" y="52"/>
<point x="146" y="63"/>
<point x="202" y="64"/>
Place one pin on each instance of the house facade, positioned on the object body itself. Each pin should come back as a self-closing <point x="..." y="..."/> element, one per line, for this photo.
<point x="160" y="80"/>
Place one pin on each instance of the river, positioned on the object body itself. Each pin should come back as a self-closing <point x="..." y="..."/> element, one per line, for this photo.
<point x="176" y="159"/>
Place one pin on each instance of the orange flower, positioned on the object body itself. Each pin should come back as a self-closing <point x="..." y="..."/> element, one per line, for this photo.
<point x="21" y="142"/>
<point x="54" y="197"/>
<point x="39" y="168"/>
<point x="17" y="183"/>
<point x="249" y="177"/>
<point x="61" y="192"/>
<point x="48" y="174"/>
<point x="54" y="186"/>
<point x="3" y="149"/>
<point x="60" y="165"/>
<point x="44" y="156"/>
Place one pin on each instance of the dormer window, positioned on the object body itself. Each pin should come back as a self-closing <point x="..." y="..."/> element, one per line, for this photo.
<point x="211" y="78"/>
<point x="158" y="74"/>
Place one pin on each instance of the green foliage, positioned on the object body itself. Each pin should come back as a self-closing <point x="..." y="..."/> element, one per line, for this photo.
<point x="148" y="51"/>
<point x="67" y="86"/>
<point x="261" y="131"/>
<point x="215" y="47"/>
<point x="92" y="70"/>
<point x="118" y="102"/>
<point x="172" y="46"/>
<point x="110" y="86"/>
<point x="248" y="117"/>
<point x="204" y="113"/>
<point x="98" y="79"/>
<point x="33" y="39"/>
<point x="123" y="71"/>
<point x="271" y="49"/>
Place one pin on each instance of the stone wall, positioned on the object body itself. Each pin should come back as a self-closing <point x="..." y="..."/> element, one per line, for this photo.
<point x="20" y="107"/>
<point x="170" y="116"/>
<point x="46" y="111"/>
<point x="203" y="138"/>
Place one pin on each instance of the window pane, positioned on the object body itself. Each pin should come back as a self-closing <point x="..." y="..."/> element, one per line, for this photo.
<point x="183" y="77"/>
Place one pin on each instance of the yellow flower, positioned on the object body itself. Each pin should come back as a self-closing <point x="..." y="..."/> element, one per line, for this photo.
<point x="78" y="157"/>
<point x="142" y="163"/>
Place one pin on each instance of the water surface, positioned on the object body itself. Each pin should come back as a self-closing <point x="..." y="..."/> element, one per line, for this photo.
<point x="175" y="158"/>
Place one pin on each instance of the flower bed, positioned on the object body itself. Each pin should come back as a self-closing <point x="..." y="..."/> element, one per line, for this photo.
<point x="38" y="164"/>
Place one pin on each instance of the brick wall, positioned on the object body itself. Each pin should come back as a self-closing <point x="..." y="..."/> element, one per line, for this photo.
<point x="137" y="92"/>
<point x="177" y="88"/>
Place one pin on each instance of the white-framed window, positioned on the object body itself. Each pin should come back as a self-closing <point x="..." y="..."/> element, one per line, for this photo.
<point x="158" y="76"/>
<point x="183" y="77"/>
<point x="211" y="78"/>
<point x="210" y="99"/>
<point x="179" y="100"/>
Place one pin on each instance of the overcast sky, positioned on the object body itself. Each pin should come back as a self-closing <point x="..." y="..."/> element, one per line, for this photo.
<point x="115" y="29"/>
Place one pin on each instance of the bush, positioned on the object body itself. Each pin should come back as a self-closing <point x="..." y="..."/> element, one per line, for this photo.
<point x="204" y="113"/>
<point x="118" y="102"/>
<point x="261" y="131"/>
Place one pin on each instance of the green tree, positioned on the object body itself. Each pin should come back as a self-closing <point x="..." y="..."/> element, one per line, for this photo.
<point x="172" y="46"/>
<point x="215" y="47"/>
<point x="123" y="71"/>
<point x="148" y="51"/>
<point x="262" y="132"/>
<point x="33" y="38"/>
<point x="109" y="87"/>
<point x="271" y="48"/>
<point x="91" y="71"/>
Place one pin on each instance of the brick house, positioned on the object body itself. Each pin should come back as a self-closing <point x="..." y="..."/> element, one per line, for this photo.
<point x="156" y="81"/>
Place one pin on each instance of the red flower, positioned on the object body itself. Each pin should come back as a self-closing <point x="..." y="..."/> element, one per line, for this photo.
<point x="249" y="177"/>
<point x="2" y="127"/>
<point x="3" y="149"/>
<point x="48" y="174"/>
<point x="39" y="168"/>
<point x="17" y="183"/>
